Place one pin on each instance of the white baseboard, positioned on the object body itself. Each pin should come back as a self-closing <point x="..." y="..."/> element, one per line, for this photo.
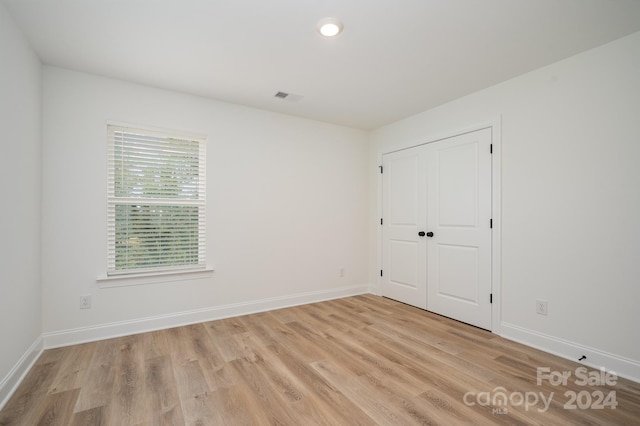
<point x="142" y="325"/>
<point x="10" y="382"/>
<point x="623" y="367"/>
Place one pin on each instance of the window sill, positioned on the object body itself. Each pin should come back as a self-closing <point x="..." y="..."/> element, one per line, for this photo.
<point x="153" y="278"/>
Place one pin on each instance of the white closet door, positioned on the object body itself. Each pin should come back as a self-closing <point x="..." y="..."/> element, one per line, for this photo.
<point x="404" y="252"/>
<point x="459" y="214"/>
<point x="436" y="227"/>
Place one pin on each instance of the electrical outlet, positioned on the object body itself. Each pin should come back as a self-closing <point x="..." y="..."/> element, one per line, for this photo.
<point x="342" y="272"/>
<point x="541" y="307"/>
<point x="85" y="302"/>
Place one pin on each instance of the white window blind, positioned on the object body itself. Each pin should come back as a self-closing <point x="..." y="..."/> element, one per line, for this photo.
<point x="156" y="201"/>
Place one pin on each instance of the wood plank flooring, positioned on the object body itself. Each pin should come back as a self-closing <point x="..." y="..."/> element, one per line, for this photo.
<point x="361" y="360"/>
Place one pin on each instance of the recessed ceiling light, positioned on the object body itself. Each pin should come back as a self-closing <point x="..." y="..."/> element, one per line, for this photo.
<point x="329" y="27"/>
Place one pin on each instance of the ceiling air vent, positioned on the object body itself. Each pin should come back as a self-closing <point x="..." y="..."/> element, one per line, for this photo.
<point x="288" y="97"/>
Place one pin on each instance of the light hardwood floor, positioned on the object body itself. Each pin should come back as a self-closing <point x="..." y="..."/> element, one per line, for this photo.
<point x="361" y="360"/>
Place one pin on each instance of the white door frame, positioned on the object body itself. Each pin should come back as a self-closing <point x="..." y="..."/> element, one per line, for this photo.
<point x="496" y="235"/>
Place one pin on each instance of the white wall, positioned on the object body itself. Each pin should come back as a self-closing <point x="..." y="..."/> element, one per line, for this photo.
<point x="570" y="199"/>
<point x="287" y="203"/>
<point x="20" y="186"/>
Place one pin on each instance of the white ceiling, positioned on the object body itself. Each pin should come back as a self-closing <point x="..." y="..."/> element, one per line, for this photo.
<point x="394" y="58"/>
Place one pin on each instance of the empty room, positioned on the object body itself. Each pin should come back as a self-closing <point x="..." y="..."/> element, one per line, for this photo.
<point x="327" y="212"/>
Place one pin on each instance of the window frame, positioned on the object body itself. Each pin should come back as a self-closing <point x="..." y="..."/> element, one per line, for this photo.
<point x="161" y="272"/>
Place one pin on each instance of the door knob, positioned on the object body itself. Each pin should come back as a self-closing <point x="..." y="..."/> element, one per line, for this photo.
<point x="421" y="234"/>
<point x="429" y="234"/>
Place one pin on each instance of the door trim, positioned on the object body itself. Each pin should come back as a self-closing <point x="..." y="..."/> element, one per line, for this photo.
<point x="496" y="234"/>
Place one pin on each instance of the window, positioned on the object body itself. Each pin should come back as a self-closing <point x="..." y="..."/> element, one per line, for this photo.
<point x="156" y="202"/>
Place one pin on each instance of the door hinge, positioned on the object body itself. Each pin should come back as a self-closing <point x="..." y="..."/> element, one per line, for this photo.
<point x="491" y="149"/>
<point x="381" y="169"/>
<point x="380" y="272"/>
<point x="381" y="221"/>
<point x="491" y="223"/>
<point x="490" y="297"/>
